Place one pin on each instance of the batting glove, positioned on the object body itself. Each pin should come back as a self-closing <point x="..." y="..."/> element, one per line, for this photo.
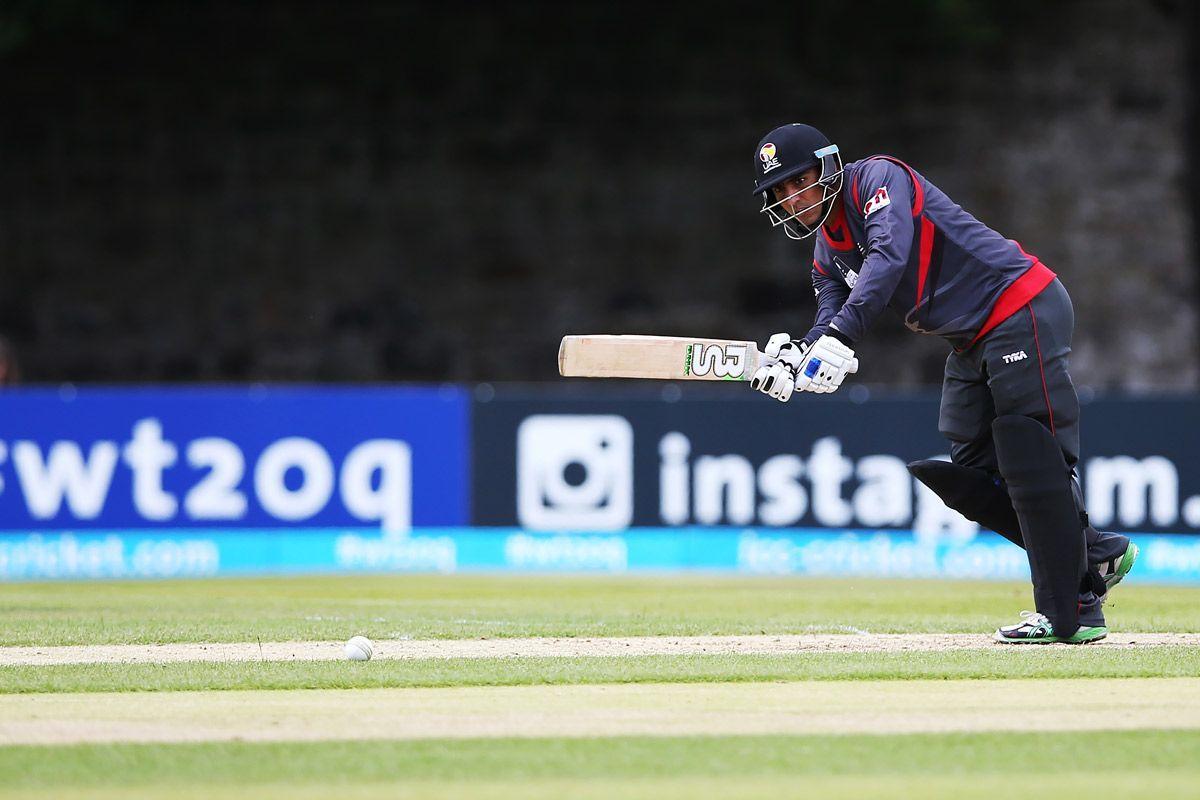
<point x="826" y="365"/>
<point x="777" y="378"/>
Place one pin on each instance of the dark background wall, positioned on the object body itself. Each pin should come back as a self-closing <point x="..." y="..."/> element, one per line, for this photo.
<point x="400" y="191"/>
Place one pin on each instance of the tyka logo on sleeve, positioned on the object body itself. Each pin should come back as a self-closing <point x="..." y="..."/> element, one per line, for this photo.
<point x="878" y="200"/>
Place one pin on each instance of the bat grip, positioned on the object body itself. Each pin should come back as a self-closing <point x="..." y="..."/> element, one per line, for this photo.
<point x="853" y="366"/>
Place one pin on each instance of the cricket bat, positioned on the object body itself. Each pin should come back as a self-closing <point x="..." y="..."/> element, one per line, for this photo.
<point x="676" y="358"/>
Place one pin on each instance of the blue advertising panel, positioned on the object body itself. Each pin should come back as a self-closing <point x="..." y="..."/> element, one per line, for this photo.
<point x="609" y="460"/>
<point x="155" y="483"/>
<point x="233" y="458"/>
<point x="195" y="553"/>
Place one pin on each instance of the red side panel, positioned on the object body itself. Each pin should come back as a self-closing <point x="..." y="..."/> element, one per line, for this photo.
<point x="1032" y="259"/>
<point x="1041" y="367"/>
<point x="926" y="244"/>
<point x="1019" y="293"/>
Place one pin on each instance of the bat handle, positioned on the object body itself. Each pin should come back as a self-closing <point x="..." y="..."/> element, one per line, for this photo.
<point x="853" y="366"/>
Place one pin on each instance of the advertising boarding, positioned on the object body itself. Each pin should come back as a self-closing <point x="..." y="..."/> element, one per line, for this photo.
<point x="195" y="482"/>
<point x="817" y="486"/>
<point x="133" y="482"/>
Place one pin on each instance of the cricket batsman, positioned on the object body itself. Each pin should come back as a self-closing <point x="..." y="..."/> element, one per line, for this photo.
<point x="886" y="236"/>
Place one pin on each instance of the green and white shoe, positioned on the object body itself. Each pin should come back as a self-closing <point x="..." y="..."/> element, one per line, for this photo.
<point x="1035" y="628"/>
<point x="1117" y="568"/>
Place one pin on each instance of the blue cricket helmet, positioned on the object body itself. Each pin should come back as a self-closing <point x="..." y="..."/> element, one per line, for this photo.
<point x="786" y="152"/>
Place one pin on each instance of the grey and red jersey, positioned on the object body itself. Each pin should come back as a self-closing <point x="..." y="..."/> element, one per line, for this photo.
<point x="897" y="240"/>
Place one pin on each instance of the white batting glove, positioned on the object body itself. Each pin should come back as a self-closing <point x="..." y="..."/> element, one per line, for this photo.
<point x="777" y="377"/>
<point x="781" y="347"/>
<point x="826" y="365"/>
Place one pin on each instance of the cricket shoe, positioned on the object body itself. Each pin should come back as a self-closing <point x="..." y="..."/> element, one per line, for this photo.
<point x="1035" y="628"/>
<point x="1116" y="568"/>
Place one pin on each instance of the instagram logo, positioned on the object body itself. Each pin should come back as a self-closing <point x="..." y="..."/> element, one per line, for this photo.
<point x="575" y="472"/>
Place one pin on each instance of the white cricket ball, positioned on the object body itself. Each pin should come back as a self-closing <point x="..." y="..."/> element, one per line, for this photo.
<point x="359" y="648"/>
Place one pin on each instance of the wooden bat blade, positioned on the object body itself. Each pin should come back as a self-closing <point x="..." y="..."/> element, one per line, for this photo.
<point x="660" y="357"/>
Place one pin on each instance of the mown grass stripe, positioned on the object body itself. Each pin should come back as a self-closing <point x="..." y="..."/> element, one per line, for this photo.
<point x="1130" y="752"/>
<point x="466" y="606"/>
<point x="998" y="662"/>
<point x="1128" y="786"/>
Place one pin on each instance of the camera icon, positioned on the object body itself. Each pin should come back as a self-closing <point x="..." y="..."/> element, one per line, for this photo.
<point x="574" y="472"/>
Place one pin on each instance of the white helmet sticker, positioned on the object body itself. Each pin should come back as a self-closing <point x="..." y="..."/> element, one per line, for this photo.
<point x="766" y="154"/>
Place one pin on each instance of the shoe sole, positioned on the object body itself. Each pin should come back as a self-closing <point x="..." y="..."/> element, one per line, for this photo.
<point x="1127" y="561"/>
<point x="1081" y="636"/>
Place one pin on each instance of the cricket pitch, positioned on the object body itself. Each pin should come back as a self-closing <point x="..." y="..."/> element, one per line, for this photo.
<point x="891" y="707"/>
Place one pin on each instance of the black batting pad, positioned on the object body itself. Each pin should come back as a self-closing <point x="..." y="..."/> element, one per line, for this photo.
<point x="1039" y="485"/>
<point x="973" y="493"/>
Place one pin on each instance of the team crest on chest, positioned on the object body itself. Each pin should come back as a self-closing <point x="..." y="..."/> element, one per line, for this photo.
<point x="878" y="200"/>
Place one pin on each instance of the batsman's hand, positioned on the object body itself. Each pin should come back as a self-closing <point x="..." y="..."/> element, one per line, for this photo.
<point x="777" y="377"/>
<point x="825" y="365"/>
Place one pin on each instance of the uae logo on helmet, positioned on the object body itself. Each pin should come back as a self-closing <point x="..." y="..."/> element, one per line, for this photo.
<point x="766" y="154"/>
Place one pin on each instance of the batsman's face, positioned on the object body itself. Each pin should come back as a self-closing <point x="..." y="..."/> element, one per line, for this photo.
<point x="801" y="196"/>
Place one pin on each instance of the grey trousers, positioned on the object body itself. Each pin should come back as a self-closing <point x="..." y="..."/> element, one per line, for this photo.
<point x="1020" y="367"/>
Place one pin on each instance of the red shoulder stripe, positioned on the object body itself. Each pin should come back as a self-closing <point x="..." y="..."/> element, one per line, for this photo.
<point x="918" y="201"/>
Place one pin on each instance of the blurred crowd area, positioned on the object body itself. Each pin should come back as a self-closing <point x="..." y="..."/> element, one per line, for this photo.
<point x="303" y="191"/>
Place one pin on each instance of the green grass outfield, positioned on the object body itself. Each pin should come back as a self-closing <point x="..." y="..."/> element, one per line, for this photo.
<point x="1123" y="763"/>
<point x="464" y="607"/>
<point x="1129" y="763"/>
